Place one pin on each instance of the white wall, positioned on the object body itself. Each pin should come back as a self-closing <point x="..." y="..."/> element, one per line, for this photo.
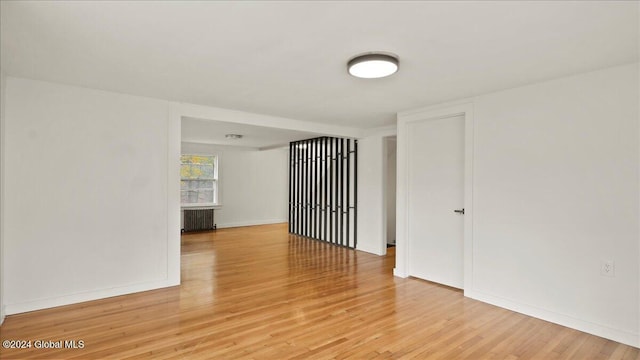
<point x="253" y="184"/>
<point x="92" y="181"/>
<point x="2" y="151"/>
<point x="555" y="192"/>
<point x="371" y="197"/>
<point x="87" y="204"/>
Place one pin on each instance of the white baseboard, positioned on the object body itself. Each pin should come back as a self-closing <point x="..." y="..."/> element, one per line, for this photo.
<point x="40" y="304"/>
<point x="375" y="249"/>
<point x="251" y="223"/>
<point x="622" y="336"/>
<point x="400" y="274"/>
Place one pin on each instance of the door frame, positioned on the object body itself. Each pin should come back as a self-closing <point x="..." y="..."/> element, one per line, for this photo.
<point x="386" y="140"/>
<point x="464" y="109"/>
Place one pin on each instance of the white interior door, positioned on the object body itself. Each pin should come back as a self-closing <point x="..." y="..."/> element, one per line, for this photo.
<point x="436" y="190"/>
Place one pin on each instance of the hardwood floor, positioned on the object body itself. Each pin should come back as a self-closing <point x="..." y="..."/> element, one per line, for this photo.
<point x="257" y="292"/>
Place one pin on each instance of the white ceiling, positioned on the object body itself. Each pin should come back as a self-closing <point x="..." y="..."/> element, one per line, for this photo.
<point x="288" y="58"/>
<point x="206" y="131"/>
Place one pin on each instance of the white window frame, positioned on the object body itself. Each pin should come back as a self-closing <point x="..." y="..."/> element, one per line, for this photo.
<point x="217" y="193"/>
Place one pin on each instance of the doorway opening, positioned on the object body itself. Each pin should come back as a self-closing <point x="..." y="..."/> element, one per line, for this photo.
<point x="390" y="169"/>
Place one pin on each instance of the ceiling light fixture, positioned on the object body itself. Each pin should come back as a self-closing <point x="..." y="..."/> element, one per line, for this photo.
<point x="233" y="136"/>
<point x="373" y="65"/>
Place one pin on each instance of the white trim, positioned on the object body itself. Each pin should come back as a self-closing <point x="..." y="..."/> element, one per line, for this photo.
<point x="371" y="248"/>
<point x="274" y="147"/>
<point x="200" y="206"/>
<point x="468" y="195"/>
<point x="625" y="337"/>
<point x="383" y="131"/>
<point x="443" y="108"/>
<point x="402" y="215"/>
<point x="242" y="117"/>
<point x="174" y="128"/>
<point x="403" y="174"/>
<point x="219" y="183"/>
<point x="382" y="245"/>
<point x="85" y="296"/>
<point x="218" y="147"/>
<point x="251" y="223"/>
<point x="385" y="187"/>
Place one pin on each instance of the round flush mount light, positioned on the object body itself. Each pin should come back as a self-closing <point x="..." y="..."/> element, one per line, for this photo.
<point x="233" y="136"/>
<point x="373" y="65"/>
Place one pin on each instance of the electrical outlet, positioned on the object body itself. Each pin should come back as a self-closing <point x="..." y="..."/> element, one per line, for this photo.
<point x="608" y="268"/>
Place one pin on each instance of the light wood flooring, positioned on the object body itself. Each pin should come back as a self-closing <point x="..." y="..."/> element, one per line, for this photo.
<point x="258" y="292"/>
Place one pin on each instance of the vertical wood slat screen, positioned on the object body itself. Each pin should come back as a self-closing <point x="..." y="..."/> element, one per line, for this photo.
<point x="323" y="190"/>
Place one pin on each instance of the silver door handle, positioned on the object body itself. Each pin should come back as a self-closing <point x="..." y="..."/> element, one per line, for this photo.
<point x="459" y="211"/>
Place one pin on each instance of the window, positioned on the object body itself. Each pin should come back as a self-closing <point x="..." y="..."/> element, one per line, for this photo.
<point x="198" y="179"/>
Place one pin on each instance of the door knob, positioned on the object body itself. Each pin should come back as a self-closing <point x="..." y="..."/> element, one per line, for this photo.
<point x="461" y="211"/>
